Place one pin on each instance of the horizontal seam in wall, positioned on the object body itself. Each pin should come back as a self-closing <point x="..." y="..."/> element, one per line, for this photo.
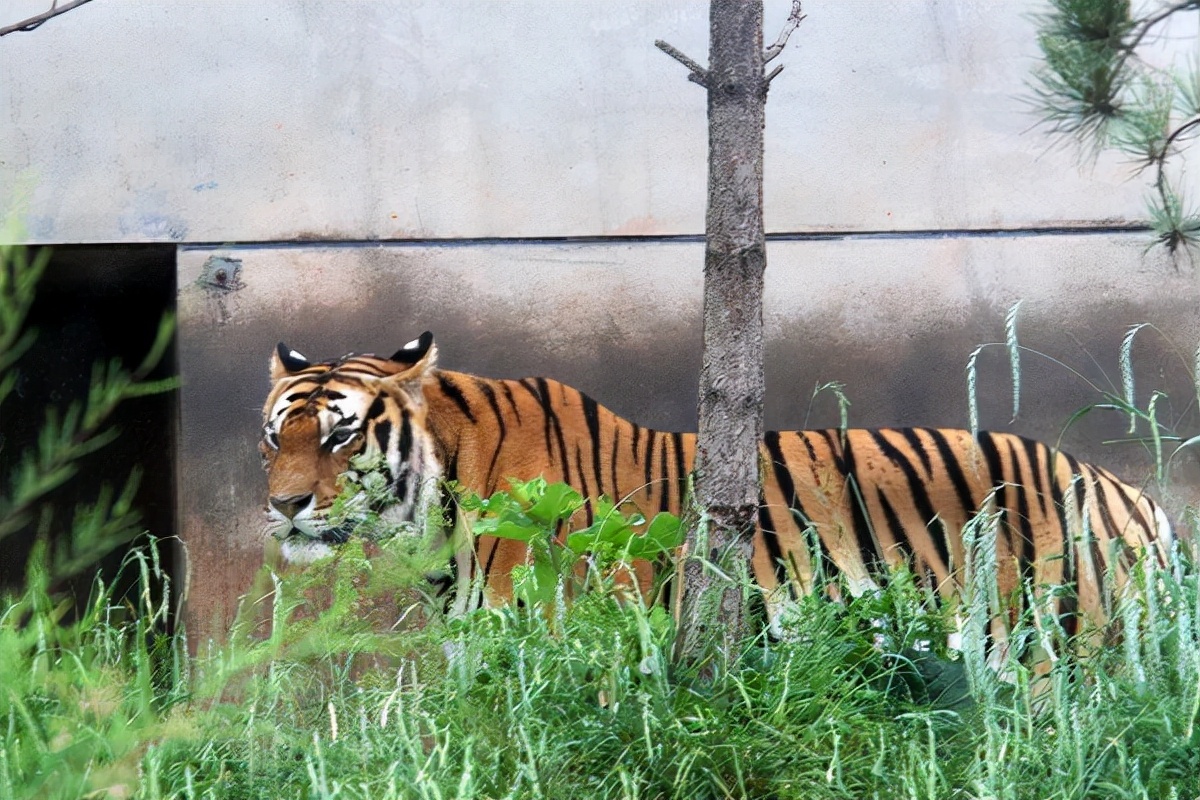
<point x="779" y="236"/>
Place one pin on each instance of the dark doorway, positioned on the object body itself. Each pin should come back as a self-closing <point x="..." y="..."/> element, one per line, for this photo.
<point x="95" y="303"/>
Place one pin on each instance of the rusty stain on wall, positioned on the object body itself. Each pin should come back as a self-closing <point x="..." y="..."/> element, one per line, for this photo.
<point x="221" y="278"/>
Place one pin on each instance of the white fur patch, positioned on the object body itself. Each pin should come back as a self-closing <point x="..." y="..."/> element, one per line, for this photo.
<point x="297" y="355"/>
<point x="413" y="345"/>
<point x="304" y="551"/>
<point x="1164" y="530"/>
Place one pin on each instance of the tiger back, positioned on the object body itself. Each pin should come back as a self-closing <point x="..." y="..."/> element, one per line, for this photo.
<point x="875" y="499"/>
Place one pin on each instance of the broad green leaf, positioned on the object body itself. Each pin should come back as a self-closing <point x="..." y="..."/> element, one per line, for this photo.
<point x="558" y="501"/>
<point x="509" y="525"/>
<point x="663" y="535"/>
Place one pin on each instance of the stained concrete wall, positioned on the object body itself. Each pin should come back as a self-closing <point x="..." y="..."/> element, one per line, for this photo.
<point x="484" y="134"/>
<point x="621" y="321"/>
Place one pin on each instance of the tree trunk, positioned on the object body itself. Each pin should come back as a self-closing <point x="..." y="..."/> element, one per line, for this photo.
<point x="712" y="618"/>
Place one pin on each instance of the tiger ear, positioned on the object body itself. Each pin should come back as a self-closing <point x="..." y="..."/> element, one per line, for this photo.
<point x="416" y="350"/>
<point x="286" y="361"/>
<point x="417" y="358"/>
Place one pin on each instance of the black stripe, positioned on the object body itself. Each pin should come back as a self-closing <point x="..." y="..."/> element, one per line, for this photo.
<point x="544" y="405"/>
<point x="649" y="482"/>
<point x="451" y="390"/>
<point x="991" y="457"/>
<point x="1068" y="602"/>
<point x="1032" y="451"/>
<point x="1135" y="510"/>
<point x="1068" y="616"/>
<point x="591" y="415"/>
<point x="783" y="479"/>
<point x="1110" y="523"/>
<point x="1056" y="497"/>
<point x="899" y="535"/>
<point x="843" y="459"/>
<point x="381" y="433"/>
<point x="834" y="442"/>
<point x="950" y="462"/>
<point x="920" y="495"/>
<point x="914" y="441"/>
<point x="1027" y="555"/>
<point x="583" y="484"/>
<point x="528" y="385"/>
<point x="366" y="364"/>
<point x="637" y="434"/>
<point x="680" y="476"/>
<point x="490" y="395"/>
<point x="404" y="447"/>
<point x="812" y="454"/>
<point x="512" y="401"/>
<point x="664" y="503"/>
<point x="1080" y="494"/>
<point x="552" y="422"/>
<point x="487" y="567"/>
<point x="377" y="408"/>
<point x="616" y="445"/>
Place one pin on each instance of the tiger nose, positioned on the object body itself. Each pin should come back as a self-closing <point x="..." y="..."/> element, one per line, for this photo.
<point x="291" y="506"/>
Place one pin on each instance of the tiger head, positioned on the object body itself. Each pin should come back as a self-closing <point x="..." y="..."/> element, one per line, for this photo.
<point x="320" y="415"/>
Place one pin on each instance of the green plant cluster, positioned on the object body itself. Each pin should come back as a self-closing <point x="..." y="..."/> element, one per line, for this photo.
<point x="593" y="557"/>
<point x="585" y="702"/>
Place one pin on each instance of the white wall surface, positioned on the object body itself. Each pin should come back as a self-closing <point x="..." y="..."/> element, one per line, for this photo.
<point x="222" y="121"/>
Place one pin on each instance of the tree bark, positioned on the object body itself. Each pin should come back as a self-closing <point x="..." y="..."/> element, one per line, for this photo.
<point x="715" y="585"/>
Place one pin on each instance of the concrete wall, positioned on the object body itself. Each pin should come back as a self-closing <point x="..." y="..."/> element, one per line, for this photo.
<point x="287" y="140"/>
<point x="206" y="121"/>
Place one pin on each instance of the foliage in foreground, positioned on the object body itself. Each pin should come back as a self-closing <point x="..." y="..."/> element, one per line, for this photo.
<point x="576" y="700"/>
<point x="354" y="685"/>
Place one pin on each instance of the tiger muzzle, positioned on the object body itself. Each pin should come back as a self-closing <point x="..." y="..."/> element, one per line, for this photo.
<point x="292" y="505"/>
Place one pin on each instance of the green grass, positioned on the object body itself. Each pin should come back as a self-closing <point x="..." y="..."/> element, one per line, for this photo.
<point x="575" y="702"/>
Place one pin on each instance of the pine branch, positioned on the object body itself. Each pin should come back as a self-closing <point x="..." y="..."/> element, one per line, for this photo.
<point x="1094" y="87"/>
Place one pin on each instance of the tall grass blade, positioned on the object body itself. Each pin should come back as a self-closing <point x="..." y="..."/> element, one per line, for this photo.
<point x="1126" y="361"/>
<point x="1014" y="356"/>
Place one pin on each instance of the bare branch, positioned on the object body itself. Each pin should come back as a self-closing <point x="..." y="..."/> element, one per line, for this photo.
<point x="35" y="21"/>
<point x="767" y="80"/>
<point x="793" y="21"/>
<point x="1160" y="159"/>
<point x="696" y="73"/>
<point x="1155" y="19"/>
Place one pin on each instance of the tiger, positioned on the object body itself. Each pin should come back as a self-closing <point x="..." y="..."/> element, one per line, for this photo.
<point x="876" y="499"/>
